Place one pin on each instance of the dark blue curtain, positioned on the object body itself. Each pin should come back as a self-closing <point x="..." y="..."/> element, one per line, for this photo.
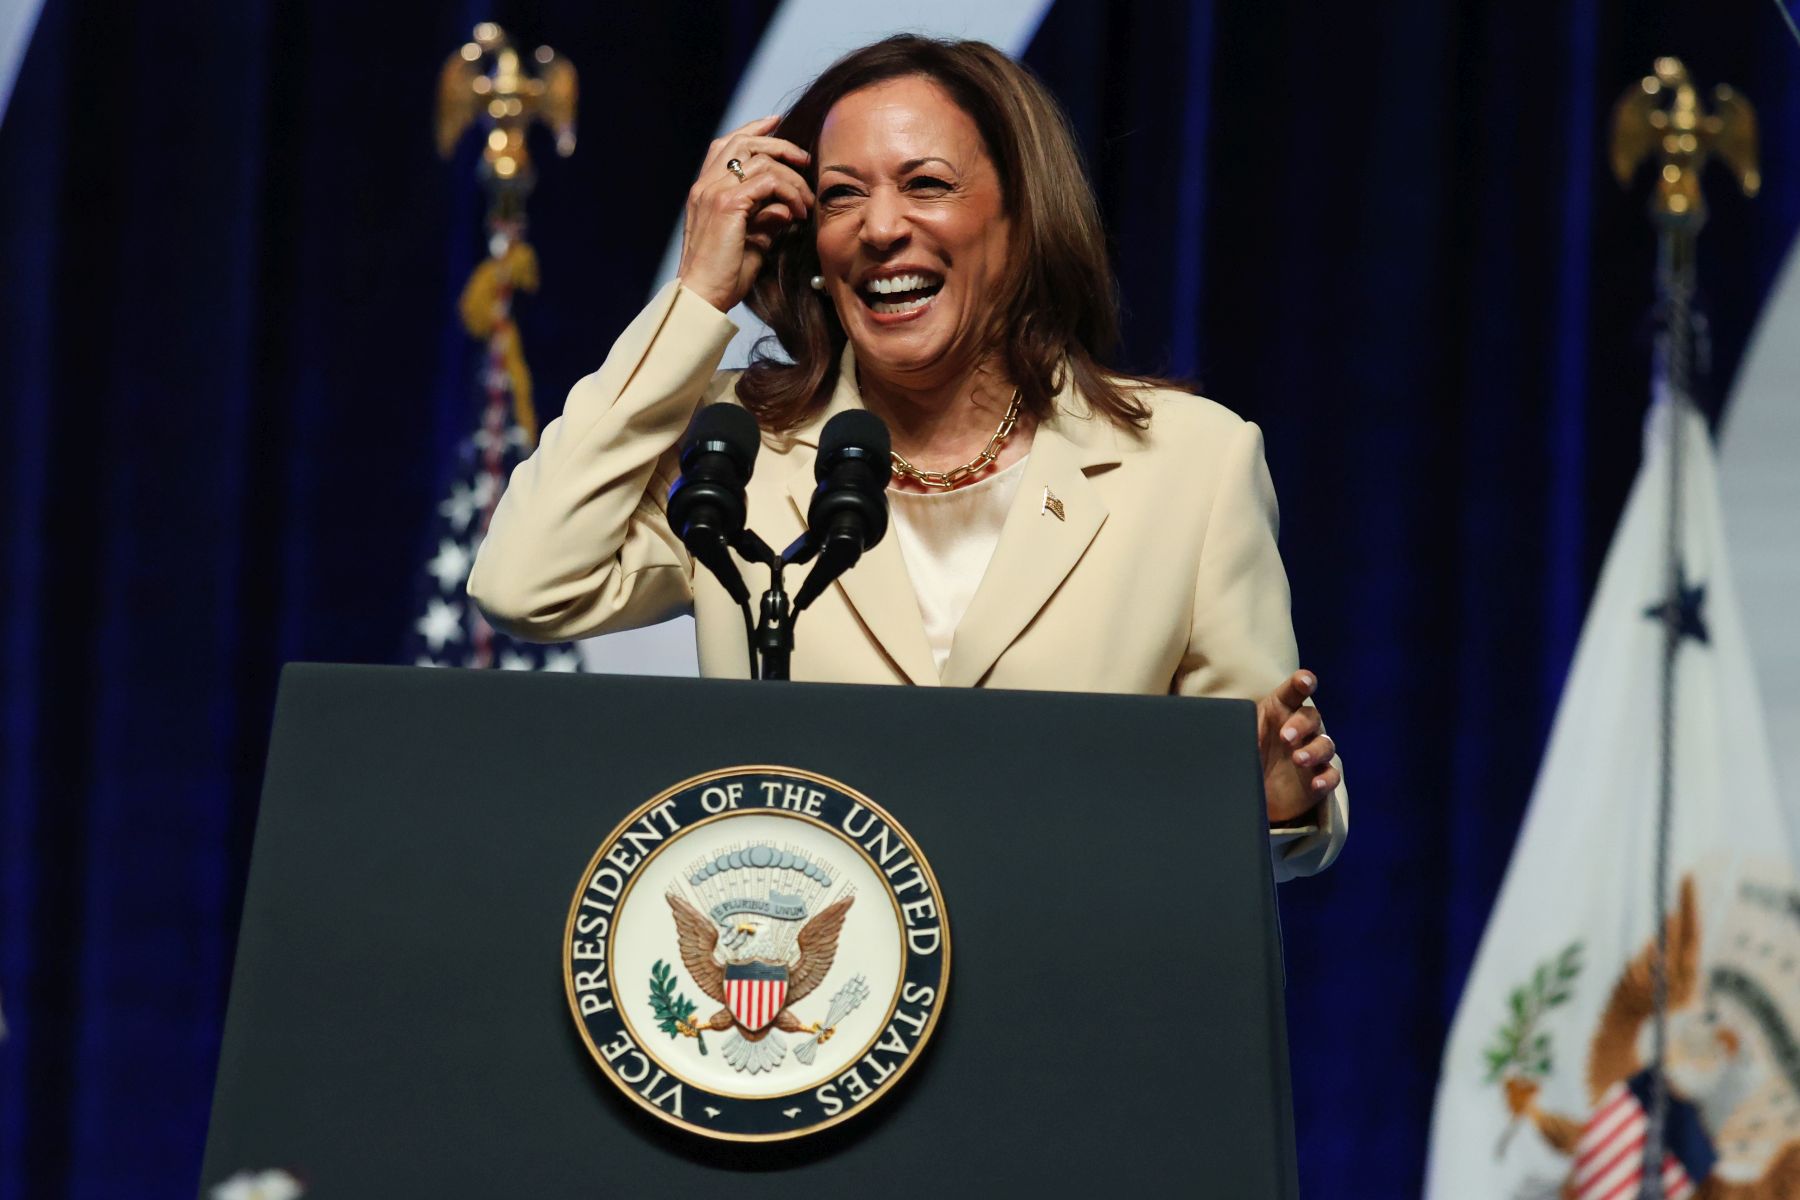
<point x="232" y="382"/>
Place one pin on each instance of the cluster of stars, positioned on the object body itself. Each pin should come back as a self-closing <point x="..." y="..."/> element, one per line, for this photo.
<point x="452" y="632"/>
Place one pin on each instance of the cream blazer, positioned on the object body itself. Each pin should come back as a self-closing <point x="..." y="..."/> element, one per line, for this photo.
<point x="1160" y="575"/>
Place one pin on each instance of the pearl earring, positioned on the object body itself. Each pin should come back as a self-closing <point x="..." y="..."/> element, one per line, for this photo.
<point x="818" y="283"/>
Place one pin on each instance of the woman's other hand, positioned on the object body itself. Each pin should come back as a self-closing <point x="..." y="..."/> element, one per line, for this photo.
<point x="731" y="222"/>
<point x="1296" y="750"/>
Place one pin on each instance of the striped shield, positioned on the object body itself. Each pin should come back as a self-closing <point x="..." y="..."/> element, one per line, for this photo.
<point x="1609" y="1158"/>
<point x="755" y="992"/>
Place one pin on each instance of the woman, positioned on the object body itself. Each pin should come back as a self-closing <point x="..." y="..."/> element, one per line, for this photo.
<point x="918" y="233"/>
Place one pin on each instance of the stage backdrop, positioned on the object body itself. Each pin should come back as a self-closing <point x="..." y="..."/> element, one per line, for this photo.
<point x="232" y="380"/>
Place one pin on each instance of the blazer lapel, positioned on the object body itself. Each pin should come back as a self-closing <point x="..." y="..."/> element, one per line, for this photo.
<point x="881" y="594"/>
<point x="1037" y="550"/>
<point x="878" y="589"/>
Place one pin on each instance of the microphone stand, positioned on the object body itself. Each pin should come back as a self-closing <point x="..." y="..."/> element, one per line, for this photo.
<point x="772" y="643"/>
<point x="851" y="515"/>
<point x="775" y="632"/>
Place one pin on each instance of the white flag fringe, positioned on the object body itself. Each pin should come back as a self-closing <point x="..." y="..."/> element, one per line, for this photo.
<point x="1536" y="1095"/>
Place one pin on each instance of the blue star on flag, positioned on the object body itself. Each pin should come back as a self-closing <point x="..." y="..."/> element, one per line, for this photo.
<point x="1685" y="608"/>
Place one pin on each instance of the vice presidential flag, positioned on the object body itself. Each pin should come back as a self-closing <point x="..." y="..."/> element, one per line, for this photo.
<point x="1544" y="1086"/>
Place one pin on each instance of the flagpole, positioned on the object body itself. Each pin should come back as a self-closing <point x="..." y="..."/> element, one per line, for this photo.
<point x="490" y="86"/>
<point x="1674" y="286"/>
<point x="1661" y="119"/>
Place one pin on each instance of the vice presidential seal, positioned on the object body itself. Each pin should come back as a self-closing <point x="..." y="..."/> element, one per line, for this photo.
<point x="756" y="954"/>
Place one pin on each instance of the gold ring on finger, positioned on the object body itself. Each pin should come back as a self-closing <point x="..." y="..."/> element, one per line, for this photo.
<point x="736" y="168"/>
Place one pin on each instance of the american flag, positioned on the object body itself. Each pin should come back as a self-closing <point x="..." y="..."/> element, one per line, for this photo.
<point x="1609" y="1158"/>
<point x="450" y="631"/>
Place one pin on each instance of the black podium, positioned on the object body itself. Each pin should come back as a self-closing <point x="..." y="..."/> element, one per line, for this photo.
<point x="398" y="1025"/>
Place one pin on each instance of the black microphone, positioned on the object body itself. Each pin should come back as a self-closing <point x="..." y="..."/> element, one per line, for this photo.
<point x="706" y="504"/>
<point x="848" y="513"/>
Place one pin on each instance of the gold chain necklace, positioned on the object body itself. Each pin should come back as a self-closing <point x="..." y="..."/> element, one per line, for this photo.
<point x="945" y="480"/>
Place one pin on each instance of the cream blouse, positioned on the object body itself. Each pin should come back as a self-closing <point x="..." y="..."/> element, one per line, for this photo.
<point x="947" y="539"/>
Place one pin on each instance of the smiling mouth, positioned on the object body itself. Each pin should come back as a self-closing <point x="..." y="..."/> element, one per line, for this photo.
<point x="897" y="294"/>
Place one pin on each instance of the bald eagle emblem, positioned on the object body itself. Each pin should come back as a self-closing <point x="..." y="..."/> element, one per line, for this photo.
<point x="1732" y="1129"/>
<point x="754" y="943"/>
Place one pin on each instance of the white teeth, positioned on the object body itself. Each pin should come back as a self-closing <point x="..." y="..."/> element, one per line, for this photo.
<point x="899" y="283"/>
<point x="891" y="307"/>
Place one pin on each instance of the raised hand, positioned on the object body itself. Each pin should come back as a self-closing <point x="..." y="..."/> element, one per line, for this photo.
<point x="731" y="222"/>
<point x="1296" y="750"/>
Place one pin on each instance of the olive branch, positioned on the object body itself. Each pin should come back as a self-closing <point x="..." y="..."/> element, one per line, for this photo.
<point x="1519" y="1048"/>
<point x="673" y="1011"/>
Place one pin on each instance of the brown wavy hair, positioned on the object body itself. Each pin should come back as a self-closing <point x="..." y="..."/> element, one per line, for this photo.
<point x="1059" y="302"/>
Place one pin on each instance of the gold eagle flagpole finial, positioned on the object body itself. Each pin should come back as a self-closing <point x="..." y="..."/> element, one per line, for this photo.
<point x="487" y="84"/>
<point x="1660" y="118"/>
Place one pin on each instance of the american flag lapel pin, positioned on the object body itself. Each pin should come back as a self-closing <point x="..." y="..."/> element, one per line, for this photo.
<point x="1052" y="505"/>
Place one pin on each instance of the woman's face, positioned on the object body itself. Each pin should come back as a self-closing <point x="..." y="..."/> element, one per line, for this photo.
<point x="912" y="231"/>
